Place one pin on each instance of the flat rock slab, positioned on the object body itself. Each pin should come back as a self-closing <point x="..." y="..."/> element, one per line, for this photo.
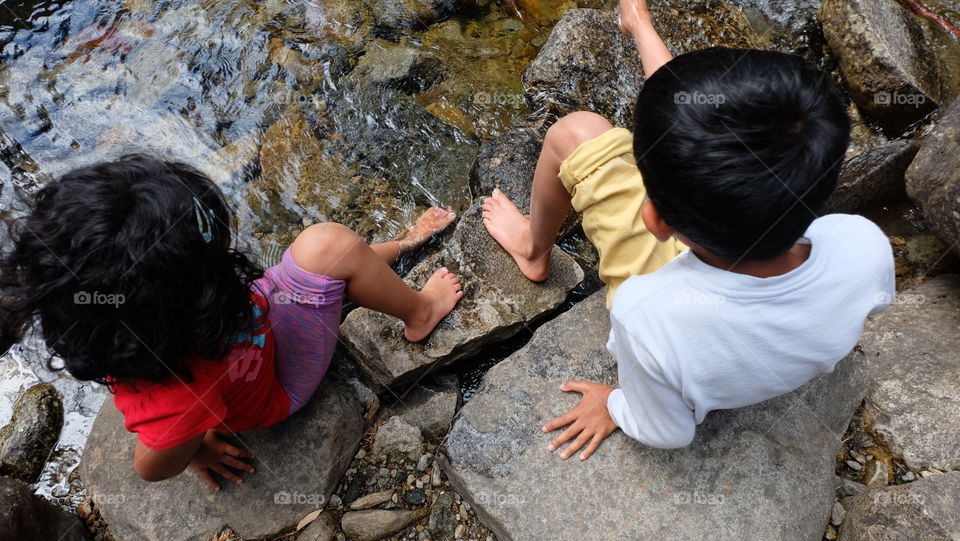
<point x="299" y="463"/>
<point x="925" y="509"/>
<point x="764" y="472"/>
<point x="933" y="179"/>
<point x="913" y="398"/>
<point x="498" y="302"/>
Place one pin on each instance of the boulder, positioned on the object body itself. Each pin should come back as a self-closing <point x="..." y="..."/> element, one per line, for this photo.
<point x="924" y="509"/>
<point x="396" y="437"/>
<point x="26" y="442"/>
<point x="26" y="516"/>
<point x="915" y="373"/>
<point x="498" y="302"/>
<point x="766" y="469"/>
<point x="933" y="179"/>
<point x="299" y="463"/>
<point x="401" y="66"/>
<point x="891" y="70"/>
<point x="588" y="64"/>
<point x="873" y="179"/>
<point x="430" y="407"/>
<point x="507" y="162"/>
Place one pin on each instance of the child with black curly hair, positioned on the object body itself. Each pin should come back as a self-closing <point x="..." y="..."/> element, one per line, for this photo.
<point x="130" y="269"/>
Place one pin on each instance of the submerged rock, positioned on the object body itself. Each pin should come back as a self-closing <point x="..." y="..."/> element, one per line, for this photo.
<point x="925" y="509"/>
<point x="873" y="179"/>
<point x="933" y="179"/>
<point x="588" y="64"/>
<point x="26" y="442"/>
<point x="498" y="302"/>
<point x="892" y="71"/>
<point x="766" y="469"/>
<point x="401" y="66"/>
<point x="25" y="516"/>
<point x="299" y="463"/>
<point x="913" y="401"/>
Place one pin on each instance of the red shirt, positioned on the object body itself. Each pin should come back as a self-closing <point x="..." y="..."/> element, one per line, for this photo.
<point x="239" y="392"/>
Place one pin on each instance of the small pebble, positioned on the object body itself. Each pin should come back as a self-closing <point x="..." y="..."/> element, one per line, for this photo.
<point x="415" y="497"/>
<point x="460" y="531"/>
<point x="435" y="478"/>
<point x="854" y="465"/>
<point x="395" y="498"/>
<point x="858" y="457"/>
<point x="424" y="462"/>
<point x="335" y="501"/>
<point x="411" y="479"/>
<point x="909" y="476"/>
<point x="837" y="514"/>
<point x="384" y="472"/>
<point x="361" y="453"/>
<point x="466" y="507"/>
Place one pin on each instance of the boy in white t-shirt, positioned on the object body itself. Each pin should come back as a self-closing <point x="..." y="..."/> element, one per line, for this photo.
<point x="726" y="288"/>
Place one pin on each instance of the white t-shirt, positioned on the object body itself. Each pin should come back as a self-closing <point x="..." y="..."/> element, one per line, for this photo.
<point x="691" y="338"/>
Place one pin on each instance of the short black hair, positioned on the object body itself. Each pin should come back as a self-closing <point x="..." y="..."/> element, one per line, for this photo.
<point x="127" y="288"/>
<point x="740" y="148"/>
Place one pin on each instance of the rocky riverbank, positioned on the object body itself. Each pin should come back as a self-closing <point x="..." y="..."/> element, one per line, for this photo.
<point x="365" y="112"/>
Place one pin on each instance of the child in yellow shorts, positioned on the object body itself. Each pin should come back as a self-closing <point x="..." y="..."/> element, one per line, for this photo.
<point x="726" y="286"/>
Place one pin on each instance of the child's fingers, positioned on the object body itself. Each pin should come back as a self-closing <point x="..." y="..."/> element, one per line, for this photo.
<point x="594" y="443"/>
<point x="581" y="440"/>
<point x="205" y="475"/>
<point x="563" y="420"/>
<point x="575" y="386"/>
<point x="237" y="463"/>
<point x="227" y="473"/>
<point x="564" y="436"/>
<point x="236" y="451"/>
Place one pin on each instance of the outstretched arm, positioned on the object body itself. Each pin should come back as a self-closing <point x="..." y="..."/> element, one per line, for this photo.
<point x="636" y="22"/>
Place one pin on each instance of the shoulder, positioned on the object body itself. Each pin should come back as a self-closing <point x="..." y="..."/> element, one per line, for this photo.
<point x="846" y="226"/>
<point x="648" y="290"/>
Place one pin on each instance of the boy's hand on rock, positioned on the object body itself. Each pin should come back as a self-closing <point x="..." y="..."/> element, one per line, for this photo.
<point x="633" y="13"/>
<point x="216" y="455"/>
<point x="589" y="421"/>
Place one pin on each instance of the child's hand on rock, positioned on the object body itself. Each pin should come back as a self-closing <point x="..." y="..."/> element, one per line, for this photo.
<point x="589" y="421"/>
<point x="216" y="455"/>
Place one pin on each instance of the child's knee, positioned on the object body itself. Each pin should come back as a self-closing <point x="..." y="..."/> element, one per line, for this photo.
<point x="574" y="129"/>
<point x="324" y="242"/>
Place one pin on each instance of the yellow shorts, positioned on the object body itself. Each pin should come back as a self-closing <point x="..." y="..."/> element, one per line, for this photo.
<point x="607" y="189"/>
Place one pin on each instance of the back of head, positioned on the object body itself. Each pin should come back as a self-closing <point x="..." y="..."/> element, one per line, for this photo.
<point x="739" y="149"/>
<point x="114" y="260"/>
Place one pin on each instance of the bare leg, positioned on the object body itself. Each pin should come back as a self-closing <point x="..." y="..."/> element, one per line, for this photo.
<point x="431" y="222"/>
<point x="529" y="240"/>
<point x="333" y="250"/>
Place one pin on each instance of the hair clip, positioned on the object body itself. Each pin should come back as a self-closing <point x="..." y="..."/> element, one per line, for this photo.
<point x="205" y="218"/>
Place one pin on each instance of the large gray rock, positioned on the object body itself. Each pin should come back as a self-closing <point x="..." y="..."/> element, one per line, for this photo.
<point x="873" y="179"/>
<point x="26" y="442"/>
<point x="913" y="401"/>
<point x="25" y="516"/>
<point x="498" y="302"/>
<point x="430" y="407"/>
<point x="892" y="71"/>
<point x="402" y="66"/>
<point x="764" y="471"/>
<point x="588" y="64"/>
<point x="299" y="463"/>
<point x="933" y="179"/>
<point x="925" y="509"/>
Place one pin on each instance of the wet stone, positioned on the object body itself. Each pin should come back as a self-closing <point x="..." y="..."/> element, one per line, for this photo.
<point x="498" y="302"/>
<point x="26" y="442"/>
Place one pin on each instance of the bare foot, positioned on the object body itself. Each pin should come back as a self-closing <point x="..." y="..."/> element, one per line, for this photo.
<point x="431" y="222"/>
<point x="443" y="291"/>
<point x="512" y="230"/>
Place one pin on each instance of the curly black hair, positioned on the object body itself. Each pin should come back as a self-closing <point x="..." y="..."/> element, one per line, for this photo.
<point x="113" y="261"/>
